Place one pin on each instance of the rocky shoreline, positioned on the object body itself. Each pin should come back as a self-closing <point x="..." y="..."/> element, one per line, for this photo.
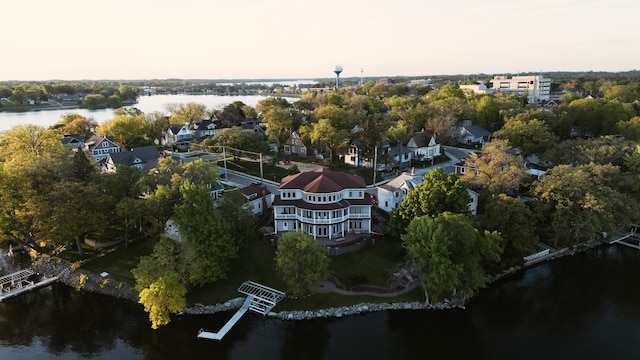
<point x="95" y="283"/>
<point x="50" y="267"/>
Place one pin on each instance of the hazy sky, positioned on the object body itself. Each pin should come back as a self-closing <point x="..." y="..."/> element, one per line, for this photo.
<point x="225" y="39"/>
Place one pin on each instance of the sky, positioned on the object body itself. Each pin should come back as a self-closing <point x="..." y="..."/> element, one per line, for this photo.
<point x="306" y="39"/>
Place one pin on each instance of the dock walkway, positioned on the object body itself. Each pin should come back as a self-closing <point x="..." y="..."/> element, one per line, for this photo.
<point x="18" y="282"/>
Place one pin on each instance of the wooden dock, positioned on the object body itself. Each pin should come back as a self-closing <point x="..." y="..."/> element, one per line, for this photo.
<point x="630" y="239"/>
<point x="19" y="282"/>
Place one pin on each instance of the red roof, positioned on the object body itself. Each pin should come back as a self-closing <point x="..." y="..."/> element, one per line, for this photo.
<point x="322" y="180"/>
<point x="254" y="189"/>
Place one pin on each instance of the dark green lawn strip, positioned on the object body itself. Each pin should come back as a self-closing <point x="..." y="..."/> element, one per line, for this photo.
<point x="370" y="266"/>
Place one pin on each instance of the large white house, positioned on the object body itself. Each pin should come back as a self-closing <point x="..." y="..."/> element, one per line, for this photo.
<point x="325" y="204"/>
<point x="537" y="87"/>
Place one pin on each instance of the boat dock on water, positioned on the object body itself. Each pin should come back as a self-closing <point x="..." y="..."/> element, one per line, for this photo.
<point x="20" y="282"/>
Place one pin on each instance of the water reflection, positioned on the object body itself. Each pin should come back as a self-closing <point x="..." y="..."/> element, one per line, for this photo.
<point x="586" y="306"/>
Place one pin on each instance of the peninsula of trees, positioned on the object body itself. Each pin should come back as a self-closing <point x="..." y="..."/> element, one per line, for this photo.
<point x="586" y="142"/>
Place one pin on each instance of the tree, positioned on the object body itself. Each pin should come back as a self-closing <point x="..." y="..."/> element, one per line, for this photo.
<point x="238" y="138"/>
<point x="326" y="134"/>
<point x="580" y="202"/>
<point x="186" y="113"/>
<point x="272" y="103"/>
<point x="487" y="112"/>
<point x="95" y="101"/>
<point x="72" y="123"/>
<point x="515" y="222"/>
<point x="162" y="298"/>
<point x="495" y="169"/>
<point x="602" y="150"/>
<point x="30" y="142"/>
<point x="279" y="125"/>
<point x="128" y="130"/>
<point x="67" y="204"/>
<point x="238" y="217"/>
<point x="531" y="137"/>
<point x="449" y="252"/>
<point x="301" y="263"/>
<point x="231" y="115"/>
<point x="208" y="246"/>
<point x="630" y="129"/>
<point x="158" y="281"/>
<point x="338" y="117"/>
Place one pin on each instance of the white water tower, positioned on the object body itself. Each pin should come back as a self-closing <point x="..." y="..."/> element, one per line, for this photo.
<point x="337" y="70"/>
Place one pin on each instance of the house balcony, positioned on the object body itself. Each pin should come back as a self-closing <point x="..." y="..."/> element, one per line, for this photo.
<point x="320" y="220"/>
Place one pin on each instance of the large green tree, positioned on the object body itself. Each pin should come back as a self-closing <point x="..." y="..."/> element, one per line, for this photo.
<point x="495" y="168"/>
<point x="511" y="218"/>
<point x="437" y="193"/>
<point x="158" y="281"/>
<point x="581" y="202"/>
<point x="531" y="137"/>
<point x="64" y="214"/>
<point x="238" y="138"/>
<point x="208" y="246"/>
<point x="128" y="130"/>
<point x="325" y="134"/>
<point x="301" y="263"/>
<point x="450" y="252"/>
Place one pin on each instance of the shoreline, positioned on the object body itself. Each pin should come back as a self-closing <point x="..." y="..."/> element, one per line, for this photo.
<point x="95" y="283"/>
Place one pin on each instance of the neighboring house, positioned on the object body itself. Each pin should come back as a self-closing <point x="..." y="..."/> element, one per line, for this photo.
<point x="255" y="126"/>
<point x="424" y="146"/>
<point x="295" y="146"/>
<point x="394" y="157"/>
<point x="143" y="158"/>
<point x="353" y="156"/>
<point x="179" y="136"/>
<point x="101" y="146"/>
<point x="73" y="141"/>
<point x="473" y="134"/>
<point x="391" y="194"/>
<point x="206" y="128"/>
<point x="386" y="158"/>
<point x="258" y="197"/>
<point x="325" y="204"/>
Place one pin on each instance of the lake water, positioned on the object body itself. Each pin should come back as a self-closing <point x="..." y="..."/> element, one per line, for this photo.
<point x="585" y="306"/>
<point x="146" y="104"/>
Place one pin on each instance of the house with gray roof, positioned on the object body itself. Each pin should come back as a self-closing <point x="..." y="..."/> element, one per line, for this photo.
<point x="100" y="147"/>
<point x="473" y="134"/>
<point x="143" y="158"/>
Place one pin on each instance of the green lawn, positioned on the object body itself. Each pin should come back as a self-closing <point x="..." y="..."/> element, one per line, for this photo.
<point x="370" y="266"/>
<point x="118" y="261"/>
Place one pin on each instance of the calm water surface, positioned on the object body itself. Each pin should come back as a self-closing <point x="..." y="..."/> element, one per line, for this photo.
<point x="146" y="104"/>
<point x="585" y="306"/>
